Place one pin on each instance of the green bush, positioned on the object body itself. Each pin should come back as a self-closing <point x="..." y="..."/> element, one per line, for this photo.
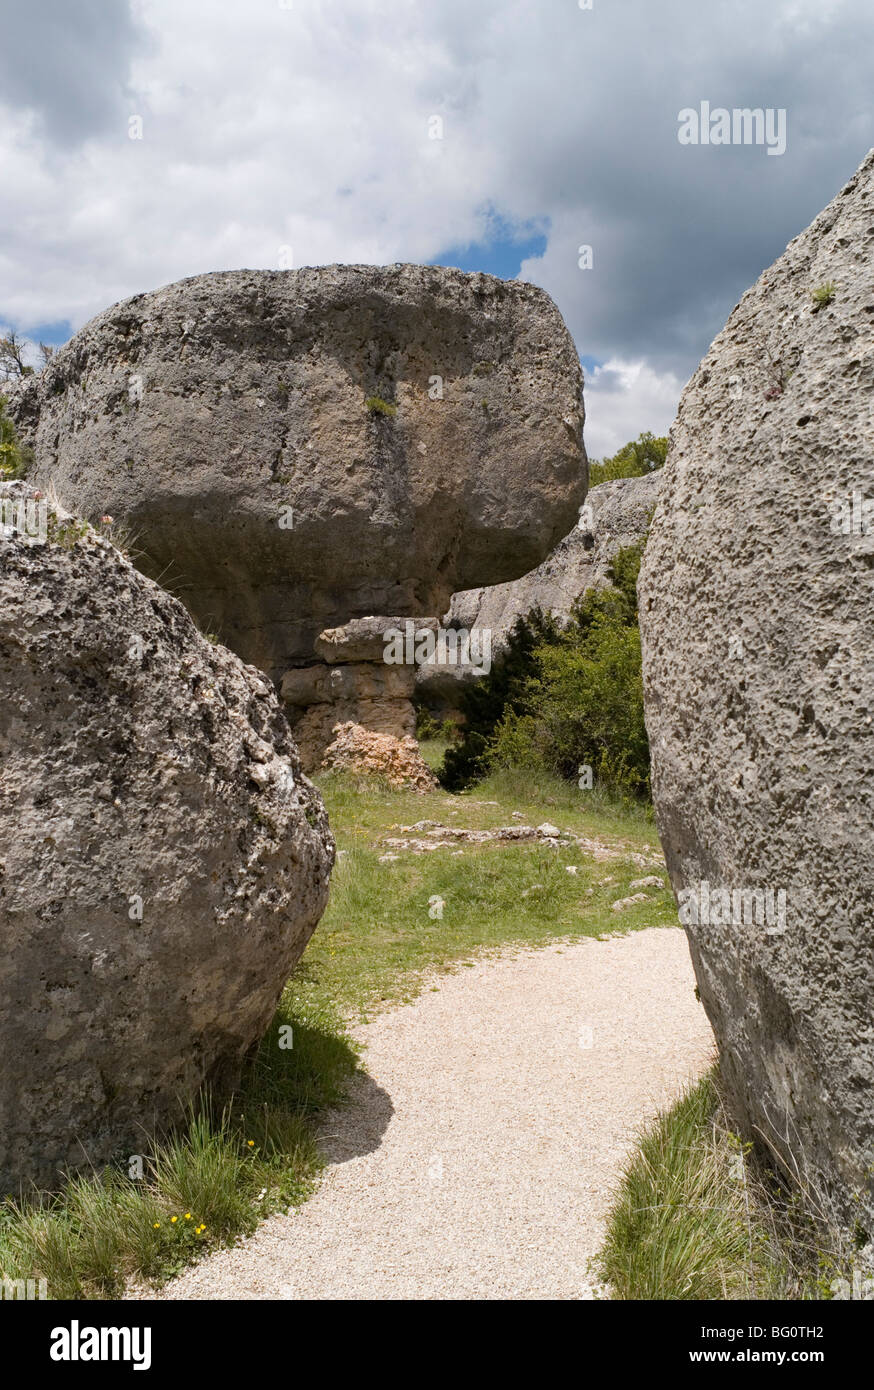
<point x="565" y="699"/>
<point x="15" y="458"/>
<point x="428" y="727"/>
<point x="486" y="701"/>
<point x="377" y="406"/>
<point x="634" y="460"/>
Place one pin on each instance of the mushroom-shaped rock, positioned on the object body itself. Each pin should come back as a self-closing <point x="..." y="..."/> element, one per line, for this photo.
<point x="292" y="449"/>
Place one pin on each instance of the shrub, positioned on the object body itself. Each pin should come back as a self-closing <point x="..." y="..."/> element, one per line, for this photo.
<point x="561" y="699"/>
<point x="377" y="406"/>
<point x="428" y="727"/>
<point x="634" y="460"/>
<point x="486" y="701"/>
<point x="15" y="458"/>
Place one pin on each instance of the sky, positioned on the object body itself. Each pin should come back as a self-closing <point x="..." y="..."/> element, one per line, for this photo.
<point x="495" y="135"/>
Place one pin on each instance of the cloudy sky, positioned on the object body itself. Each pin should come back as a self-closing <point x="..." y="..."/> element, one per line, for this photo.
<point x="302" y="132"/>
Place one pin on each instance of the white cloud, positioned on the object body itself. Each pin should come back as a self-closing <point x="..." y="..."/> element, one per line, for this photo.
<point x="265" y="127"/>
<point x="625" y="398"/>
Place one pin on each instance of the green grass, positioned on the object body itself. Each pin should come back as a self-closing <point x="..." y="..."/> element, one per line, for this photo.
<point x="201" y="1188"/>
<point x="377" y="406"/>
<point x="378" y="937"/>
<point x="433" y="751"/>
<point x="377" y="943"/>
<point x="698" y="1217"/>
<point x="823" y="294"/>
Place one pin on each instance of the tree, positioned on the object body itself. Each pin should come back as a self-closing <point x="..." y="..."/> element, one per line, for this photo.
<point x="12" y="363"/>
<point x="564" y="699"/>
<point x="15" y="458"/>
<point x="634" y="460"/>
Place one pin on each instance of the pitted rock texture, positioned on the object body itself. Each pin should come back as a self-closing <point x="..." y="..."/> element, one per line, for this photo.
<point x="315" y="728"/>
<point x="758" y="649"/>
<point x="366" y="751"/>
<point x="292" y="449"/>
<point x="355" y="685"/>
<point x="163" y="861"/>
<point x="616" y="514"/>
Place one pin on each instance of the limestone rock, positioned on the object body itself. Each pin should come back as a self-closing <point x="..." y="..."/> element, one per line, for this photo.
<point x="292" y="449"/>
<point x="757" y="594"/>
<point x="365" y="639"/>
<point x="616" y="514"/>
<point x="316" y="727"/>
<point x="361" y="680"/>
<point x="162" y="859"/>
<point x="398" y="760"/>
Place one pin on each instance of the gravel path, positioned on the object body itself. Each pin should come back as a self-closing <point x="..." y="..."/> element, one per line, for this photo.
<point x="487" y="1136"/>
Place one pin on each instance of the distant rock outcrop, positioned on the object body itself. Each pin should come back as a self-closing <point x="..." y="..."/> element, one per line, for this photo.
<point x="293" y="449"/>
<point x="756" y="603"/>
<point x="616" y="514"/>
<point x="163" y="861"/>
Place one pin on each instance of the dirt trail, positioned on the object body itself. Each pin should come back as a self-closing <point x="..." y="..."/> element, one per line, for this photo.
<point x="487" y="1135"/>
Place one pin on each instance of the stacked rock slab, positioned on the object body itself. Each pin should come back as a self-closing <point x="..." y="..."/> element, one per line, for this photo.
<point x="756" y="602"/>
<point x="163" y="861"/>
<point x="290" y="450"/>
<point x="353" y="684"/>
<point x="616" y="514"/>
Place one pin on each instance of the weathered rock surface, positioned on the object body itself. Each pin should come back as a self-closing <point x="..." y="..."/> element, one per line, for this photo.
<point x="292" y="449"/>
<point x="366" y="639"/>
<point x="616" y="514"/>
<point x="757" y="595"/>
<point x="365" y="750"/>
<point x="162" y="859"/>
<point x="361" y="680"/>
<point x="315" y="729"/>
<point x="355" y="686"/>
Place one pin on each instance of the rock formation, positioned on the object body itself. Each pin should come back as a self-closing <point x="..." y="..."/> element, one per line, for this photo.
<point x="353" y="685"/>
<point x="290" y="450"/>
<point x="360" y="750"/>
<point x="162" y="859"/>
<point x="756" y="599"/>
<point x="615" y="514"/>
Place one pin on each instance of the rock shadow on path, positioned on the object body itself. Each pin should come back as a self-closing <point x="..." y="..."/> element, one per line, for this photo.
<point x="485" y="1140"/>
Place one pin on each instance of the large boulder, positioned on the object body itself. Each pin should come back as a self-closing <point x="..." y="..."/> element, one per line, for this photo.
<point x="163" y="861"/>
<point x="292" y="449"/>
<point x="756" y="603"/>
<point x="616" y="514"/>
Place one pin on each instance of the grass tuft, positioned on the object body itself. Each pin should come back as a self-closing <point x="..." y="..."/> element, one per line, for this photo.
<point x="202" y="1187"/>
<point x="377" y="406"/>
<point x="698" y="1216"/>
